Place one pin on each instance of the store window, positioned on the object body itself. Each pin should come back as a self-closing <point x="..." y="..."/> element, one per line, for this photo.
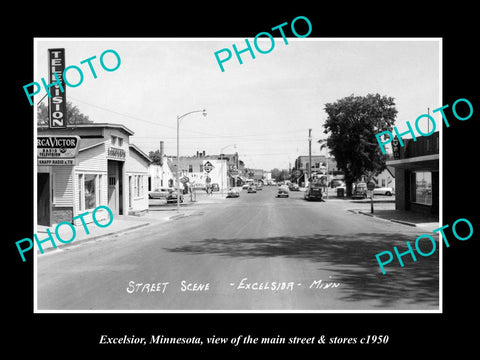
<point x="421" y="187"/>
<point x="90" y="191"/>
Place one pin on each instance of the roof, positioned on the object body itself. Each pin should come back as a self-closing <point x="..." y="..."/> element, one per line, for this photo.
<point x="140" y="152"/>
<point x="90" y="143"/>
<point x="93" y="125"/>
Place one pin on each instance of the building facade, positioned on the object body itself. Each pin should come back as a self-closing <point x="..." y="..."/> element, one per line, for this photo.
<point x="106" y="169"/>
<point x="417" y="178"/>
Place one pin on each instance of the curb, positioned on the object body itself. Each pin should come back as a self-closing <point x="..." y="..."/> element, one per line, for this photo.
<point x="80" y="241"/>
<point x="392" y="220"/>
<point x="403" y="222"/>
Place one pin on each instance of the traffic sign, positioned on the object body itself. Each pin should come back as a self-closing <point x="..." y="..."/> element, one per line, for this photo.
<point x="208" y="166"/>
<point x="370" y="185"/>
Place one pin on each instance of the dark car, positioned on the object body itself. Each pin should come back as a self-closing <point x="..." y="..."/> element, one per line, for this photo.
<point x="215" y="187"/>
<point x="313" y="192"/>
<point x="360" y="191"/>
<point x="172" y="197"/>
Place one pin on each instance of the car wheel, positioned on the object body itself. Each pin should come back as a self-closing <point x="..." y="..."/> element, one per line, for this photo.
<point x="388" y="193"/>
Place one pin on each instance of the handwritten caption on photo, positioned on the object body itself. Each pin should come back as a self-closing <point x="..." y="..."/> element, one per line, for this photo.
<point x="243" y="285"/>
<point x="244" y="340"/>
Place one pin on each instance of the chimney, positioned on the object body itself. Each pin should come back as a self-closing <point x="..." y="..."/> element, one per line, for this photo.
<point x="198" y="153"/>
<point x="203" y="153"/>
<point x="161" y="153"/>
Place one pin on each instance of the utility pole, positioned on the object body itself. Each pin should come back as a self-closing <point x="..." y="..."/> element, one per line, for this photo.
<point x="309" y="154"/>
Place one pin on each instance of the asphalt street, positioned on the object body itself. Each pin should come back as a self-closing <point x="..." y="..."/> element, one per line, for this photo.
<point x="255" y="252"/>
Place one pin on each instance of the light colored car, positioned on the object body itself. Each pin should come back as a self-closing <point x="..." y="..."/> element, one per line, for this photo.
<point x="251" y="189"/>
<point x="233" y="193"/>
<point x="245" y="187"/>
<point x="159" y="193"/>
<point x="293" y="187"/>
<point x="385" y="190"/>
<point x="283" y="191"/>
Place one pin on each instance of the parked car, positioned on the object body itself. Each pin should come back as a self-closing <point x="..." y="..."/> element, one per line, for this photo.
<point x="159" y="193"/>
<point x="215" y="187"/>
<point x="245" y="187"/>
<point x="172" y="197"/>
<point x="360" y="191"/>
<point x="313" y="192"/>
<point x="233" y="193"/>
<point x="251" y="189"/>
<point x="293" y="187"/>
<point x="283" y="191"/>
<point x="385" y="190"/>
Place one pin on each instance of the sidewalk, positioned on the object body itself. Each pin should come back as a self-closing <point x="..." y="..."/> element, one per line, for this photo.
<point x="427" y="221"/>
<point x="158" y="212"/>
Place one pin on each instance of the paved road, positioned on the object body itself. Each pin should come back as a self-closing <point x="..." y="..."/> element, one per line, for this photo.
<point x="256" y="252"/>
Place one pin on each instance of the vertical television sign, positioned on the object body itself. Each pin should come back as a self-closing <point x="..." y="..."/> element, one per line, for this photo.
<point x="57" y="102"/>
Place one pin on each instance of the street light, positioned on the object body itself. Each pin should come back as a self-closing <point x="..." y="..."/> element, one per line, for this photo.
<point x="221" y="158"/>
<point x="204" y="112"/>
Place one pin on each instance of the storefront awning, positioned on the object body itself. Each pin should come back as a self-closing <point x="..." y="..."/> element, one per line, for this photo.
<point x="427" y="162"/>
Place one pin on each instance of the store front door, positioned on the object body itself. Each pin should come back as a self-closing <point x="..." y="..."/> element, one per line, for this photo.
<point x="115" y="200"/>
<point x="43" y="199"/>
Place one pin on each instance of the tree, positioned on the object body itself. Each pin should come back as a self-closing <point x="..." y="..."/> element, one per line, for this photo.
<point x="156" y="157"/>
<point x="280" y="175"/>
<point x="74" y="116"/>
<point x="352" y="124"/>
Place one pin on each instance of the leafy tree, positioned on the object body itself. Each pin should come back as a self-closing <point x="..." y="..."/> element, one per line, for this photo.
<point x="155" y="156"/>
<point x="280" y="175"/>
<point x="352" y="124"/>
<point x="74" y="116"/>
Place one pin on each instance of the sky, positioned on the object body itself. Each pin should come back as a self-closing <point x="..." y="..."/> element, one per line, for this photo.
<point x="262" y="108"/>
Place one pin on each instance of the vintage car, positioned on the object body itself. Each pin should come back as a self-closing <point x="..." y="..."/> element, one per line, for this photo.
<point x="172" y="197"/>
<point x="386" y="190"/>
<point x="283" y="191"/>
<point x="360" y="191"/>
<point x="313" y="192"/>
<point x="251" y="189"/>
<point x="233" y="193"/>
<point x="160" y="193"/>
<point x="293" y="187"/>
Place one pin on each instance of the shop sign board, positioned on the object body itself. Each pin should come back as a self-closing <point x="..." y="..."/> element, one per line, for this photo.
<point x="57" y="150"/>
<point x="116" y="154"/>
<point x="57" y="103"/>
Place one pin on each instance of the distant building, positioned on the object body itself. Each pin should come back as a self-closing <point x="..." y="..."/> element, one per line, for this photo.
<point x="416" y="167"/>
<point x="318" y="166"/>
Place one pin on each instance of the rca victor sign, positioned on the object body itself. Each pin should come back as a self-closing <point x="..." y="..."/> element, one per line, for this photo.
<point x="57" y="150"/>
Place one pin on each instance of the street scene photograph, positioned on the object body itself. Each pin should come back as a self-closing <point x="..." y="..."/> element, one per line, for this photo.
<point x="237" y="175"/>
